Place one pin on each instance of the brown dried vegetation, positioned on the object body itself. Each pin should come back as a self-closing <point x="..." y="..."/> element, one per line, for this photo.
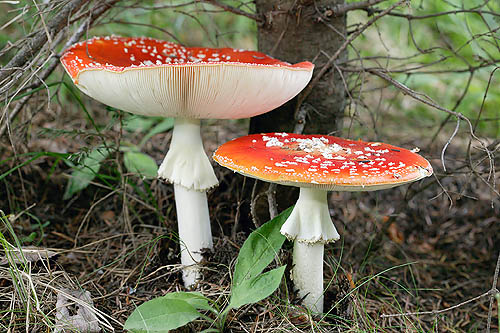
<point x="425" y="247"/>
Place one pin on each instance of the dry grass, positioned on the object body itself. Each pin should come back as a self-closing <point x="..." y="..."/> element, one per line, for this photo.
<point x="395" y="255"/>
<point x="424" y="247"/>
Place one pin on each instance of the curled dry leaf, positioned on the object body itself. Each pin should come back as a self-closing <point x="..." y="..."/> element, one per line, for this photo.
<point x="79" y="301"/>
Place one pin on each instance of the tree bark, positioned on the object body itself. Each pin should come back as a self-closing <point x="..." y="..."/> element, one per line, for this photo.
<point x="295" y="31"/>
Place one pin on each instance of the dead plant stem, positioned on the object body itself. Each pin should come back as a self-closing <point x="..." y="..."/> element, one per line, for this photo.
<point x="492" y="293"/>
<point x="434" y="312"/>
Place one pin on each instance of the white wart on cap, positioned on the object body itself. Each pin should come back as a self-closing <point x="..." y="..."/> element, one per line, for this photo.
<point x="321" y="161"/>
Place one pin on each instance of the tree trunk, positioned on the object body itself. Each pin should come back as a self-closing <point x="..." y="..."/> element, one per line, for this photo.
<point x="294" y="32"/>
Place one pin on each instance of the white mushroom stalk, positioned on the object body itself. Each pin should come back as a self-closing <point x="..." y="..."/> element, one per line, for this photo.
<point x="195" y="234"/>
<point x="310" y="227"/>
<point x="187" y="166"/>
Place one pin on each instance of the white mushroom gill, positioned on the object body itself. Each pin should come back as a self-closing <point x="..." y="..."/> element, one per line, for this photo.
<point x="218" y="91"/>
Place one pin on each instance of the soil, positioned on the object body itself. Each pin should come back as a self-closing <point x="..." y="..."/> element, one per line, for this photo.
<point x="408" y="249"/>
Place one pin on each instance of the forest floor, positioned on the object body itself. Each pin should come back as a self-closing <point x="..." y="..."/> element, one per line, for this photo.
<point x="401" y="251"/>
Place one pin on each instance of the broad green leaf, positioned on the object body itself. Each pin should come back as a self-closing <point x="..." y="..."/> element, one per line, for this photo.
<point x="260" y="249"/>
<point x="140" y="163"/>
<point x="161" y="315"/>
<point x="256" y="254"/>
<point x="85" y="172"/>
<point x="256" y="289"/>
<point x="165" y="125"/>
<point x="194" y="298"/>
<point x="134" y="123"/>
<point x="168" y="312"/>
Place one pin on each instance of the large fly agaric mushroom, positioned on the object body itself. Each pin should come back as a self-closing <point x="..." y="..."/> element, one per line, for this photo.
<point x="318" y="164"/>
<point x="151" y="77"/>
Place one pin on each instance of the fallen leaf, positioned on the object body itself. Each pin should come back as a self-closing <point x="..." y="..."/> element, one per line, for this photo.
<point x="351" y="281"/>
<point x="395" y="234"/>
<point x="108" y="217"/>
<point x="84" y="320"/>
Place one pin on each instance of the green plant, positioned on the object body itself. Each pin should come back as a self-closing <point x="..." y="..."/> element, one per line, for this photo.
<point x="249" y="285"/>
<point x="86" y="168"/>
<point x="497" y="296"/>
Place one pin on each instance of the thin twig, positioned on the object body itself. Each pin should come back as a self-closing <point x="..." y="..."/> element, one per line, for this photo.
<point x="80" y="31"/>
<point x="35" y="44"/>
<point x="271" y="200"/>
<point x="427" y="100"/>
<point x="234" y="10"/>
<point x="448" y="143"/>
<point x="493" y="291"/>
<point x="434" y="312"/>
<point x="342" y="9"/>
<point x="253" y="201"/>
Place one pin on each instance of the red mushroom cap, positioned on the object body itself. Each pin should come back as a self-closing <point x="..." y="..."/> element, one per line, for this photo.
<point x="154" y="77"/>
<point x="322" y="161"/>
<point x="118" y="54"/>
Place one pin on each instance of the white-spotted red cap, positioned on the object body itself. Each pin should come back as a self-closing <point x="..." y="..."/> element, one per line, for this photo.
<point x="157" y="78"/>
<point x="322" y="161"/>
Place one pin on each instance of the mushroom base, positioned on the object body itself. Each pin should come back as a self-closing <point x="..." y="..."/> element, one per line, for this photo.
<point x="195" y="233"/>
<point x="186" y="163"/>
<point x="307" y="274"/>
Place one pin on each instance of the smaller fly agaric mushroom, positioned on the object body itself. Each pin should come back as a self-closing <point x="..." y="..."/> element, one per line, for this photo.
<point x="317" y="164"/>
<point x="152" y="77"/>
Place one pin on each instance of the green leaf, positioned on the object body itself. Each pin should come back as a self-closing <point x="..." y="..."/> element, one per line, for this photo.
<point x="161" y="315"/>
<point x="256" y="254"/>
<point x="256" y="289"/>
<point x="140" y="163"/>
<point x="165" y="125"/>
<point x="86" y="172"/>
<point x="196" y="299"/>
<point x="167" y="312"/>
<point x="260" y="249"/>
<point x="135" y="123"/>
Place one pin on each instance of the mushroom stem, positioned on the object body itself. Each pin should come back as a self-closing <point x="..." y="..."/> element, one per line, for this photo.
<point x="307" y="274"/>
<point x="195" y="233"/>
<point x="310" y="220"/>
<point x="310" y="226"/>
<point x="186" y="163"/>
<point x="187" y="166"/>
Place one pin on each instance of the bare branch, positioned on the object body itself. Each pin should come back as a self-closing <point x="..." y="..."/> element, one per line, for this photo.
<point x="340" y="10"/>
<point x="54" y="62"/>
<point x="234" y="10"/>
<point x="36" y="43"/>
<point x="493" y="291"/>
